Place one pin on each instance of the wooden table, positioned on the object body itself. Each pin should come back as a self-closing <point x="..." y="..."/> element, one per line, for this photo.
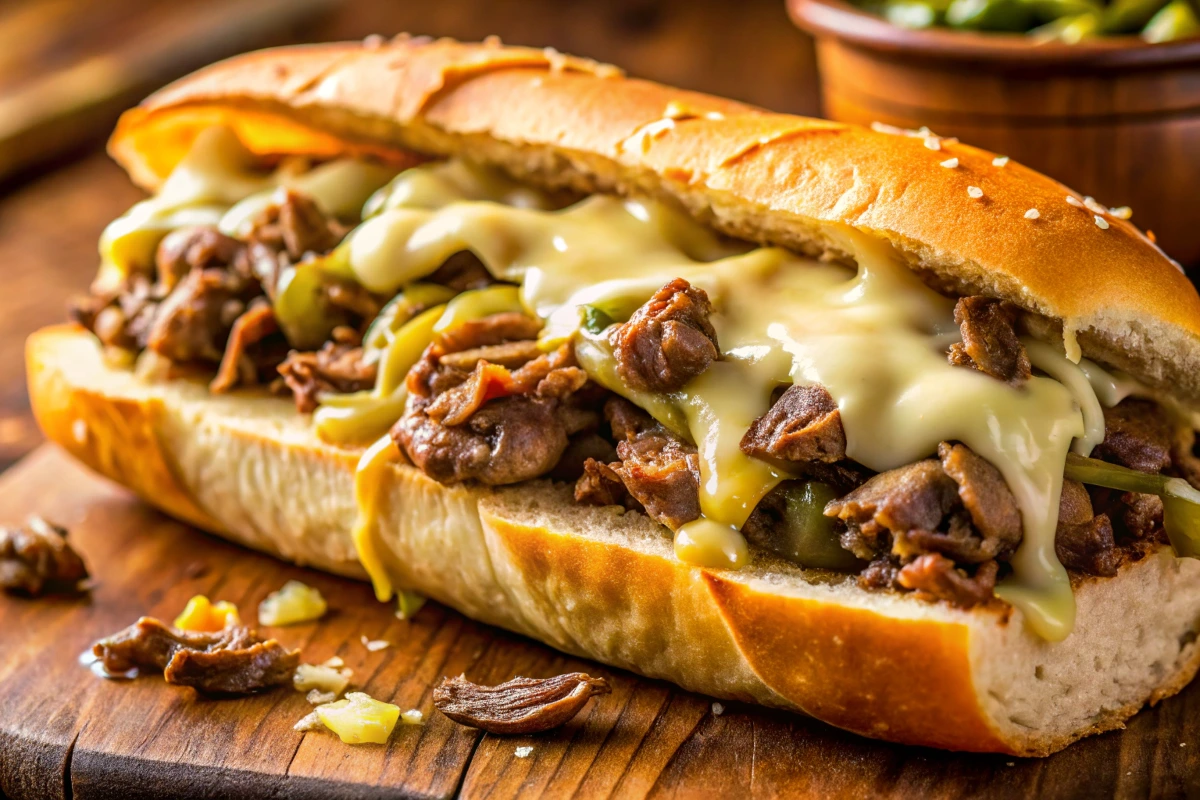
<point x="66" y="733"/>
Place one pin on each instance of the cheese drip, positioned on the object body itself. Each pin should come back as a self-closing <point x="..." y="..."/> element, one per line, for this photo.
<point x="219" y="183"/>
<point x="875" y="338"/>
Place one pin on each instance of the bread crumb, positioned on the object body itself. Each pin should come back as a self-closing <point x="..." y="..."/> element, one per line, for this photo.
<point x="1032" y="213"/>
<point x="975" y="191"/>
<point x="1010" y="763"/>
<point x="412" y="717"/>
<point x="312" y="722"/>
<point x="316" y="697"/>
<point x="718" y="709"/>
<point x="523" y="752"/>
<point x="375" y="645"/>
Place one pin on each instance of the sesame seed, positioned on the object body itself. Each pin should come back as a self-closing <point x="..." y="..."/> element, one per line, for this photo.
<point x="1091" y="205"/>
<point x="1101" y="222"/>
<point x="999" y="161"/>
<point x="933" y="143"/>
<point x="1150" y="235"/>
<point x="1032" y="213"/>
<point x="950" y="163"/>
<point x="1074" y="201"/>
<point x="975" y="191"/>
<point x="1123" y="212"/>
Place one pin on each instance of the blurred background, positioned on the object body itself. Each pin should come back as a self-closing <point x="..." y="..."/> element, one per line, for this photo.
<point x="1115" y="116"/>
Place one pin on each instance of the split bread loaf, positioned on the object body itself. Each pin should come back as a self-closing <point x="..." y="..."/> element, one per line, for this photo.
<point x="603" y="583"/>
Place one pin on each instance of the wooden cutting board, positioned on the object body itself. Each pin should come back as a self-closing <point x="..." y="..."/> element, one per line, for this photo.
<point x="66" y="733"/>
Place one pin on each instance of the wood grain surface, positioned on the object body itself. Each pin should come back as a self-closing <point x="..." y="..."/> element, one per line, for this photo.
<point x="66" y="733"/>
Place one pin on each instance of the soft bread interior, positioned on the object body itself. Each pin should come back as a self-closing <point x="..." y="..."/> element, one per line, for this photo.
<point x="606" y="585"/>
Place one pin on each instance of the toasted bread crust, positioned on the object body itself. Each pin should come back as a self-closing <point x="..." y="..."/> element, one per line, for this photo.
<point x="594" y="581"/>
<point x="774" y="178"/>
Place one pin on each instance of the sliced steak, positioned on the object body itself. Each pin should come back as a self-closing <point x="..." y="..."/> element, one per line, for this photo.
<point x="802" y="426"/>
<point x="935" y="576"/>
<point x="192" y="325"/>
<point x="1137" y="434"/>
<point x="251" y="328"/>
<point x="36" y="556"/>
<point x="229" y="662"/>
<point x="493" y="424"/>
<point x="959" y="507"/>
<point x="989" y="339"/>
<point x="668" y="341"/>
<point x="1084" y="540"/>
<point x="338" y="367"/>
<point x="660" y="472"/>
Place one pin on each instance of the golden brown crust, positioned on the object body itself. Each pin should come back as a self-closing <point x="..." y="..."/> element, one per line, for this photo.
<point x="606" y="585"/>
<point x="769" y="177"/>
<point x="116" y="437"/>
<point x="828" y="664"/>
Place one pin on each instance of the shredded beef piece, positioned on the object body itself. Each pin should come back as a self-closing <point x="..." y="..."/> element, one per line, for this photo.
<point x="960" y="507"/>
<point x="600" y="485"/>
<point x="936" y="576"/>
<point x="508" y="354"/>
<point x="296" y="226"/>
<point x="462" y="271"/>
<point x="186" y="249"/>
<point x="493" y="424"/>
<point x="660" y="472"/>
<point x="194" y="322"/>
<point x="990" y="342"/>
<point x="581" y="449"/>
<point x="249" y="329"/>
<point x="1083" y="540"/>
<point x="356" y="299"/>
<point x="1138" y="435"/>
<point x="36" y="557"/>
<point x="668" y="341"/>
<point x="509" y="440"/>
<point x="207" y="305"/>
<point x="510" y="326"/>
<point x="337" y="367"/>
<point x="232" y="661"/>
<point x="803" y="425"/>
<point x="552" y="376"/>
<point x="1142" y="515"/>
<point x="879" y="574"/>
<point x="986" y="496"/>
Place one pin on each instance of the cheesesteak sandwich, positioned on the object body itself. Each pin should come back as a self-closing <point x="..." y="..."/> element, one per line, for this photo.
<point x="870" y="425"/>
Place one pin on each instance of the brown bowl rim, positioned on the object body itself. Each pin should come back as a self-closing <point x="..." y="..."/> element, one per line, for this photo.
<point x="837" y="18"/>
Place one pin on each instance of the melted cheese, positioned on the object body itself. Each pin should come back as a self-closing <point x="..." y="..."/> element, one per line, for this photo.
<point x="218" y="183"/>
<point x="875" y="337"/>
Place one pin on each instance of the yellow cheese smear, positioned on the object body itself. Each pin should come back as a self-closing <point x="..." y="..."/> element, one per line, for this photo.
<point x="875" y="337"/>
